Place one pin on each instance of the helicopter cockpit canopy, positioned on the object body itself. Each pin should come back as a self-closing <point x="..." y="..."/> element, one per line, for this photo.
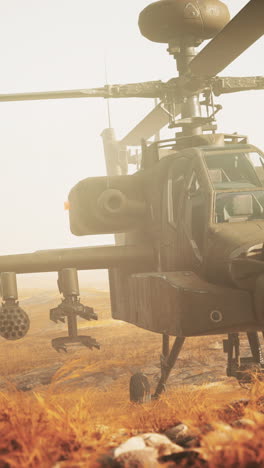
<point x="238" y="180"/>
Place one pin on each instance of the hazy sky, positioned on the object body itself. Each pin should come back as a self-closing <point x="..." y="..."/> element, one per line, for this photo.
<point x="47" y="147"/>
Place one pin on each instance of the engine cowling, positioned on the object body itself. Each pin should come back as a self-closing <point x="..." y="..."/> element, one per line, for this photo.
<point x="104" y="205"/>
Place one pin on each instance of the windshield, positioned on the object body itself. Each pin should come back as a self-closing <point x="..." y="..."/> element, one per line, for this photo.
<point x="235" y="170"/>
<point x="240" y="206"/>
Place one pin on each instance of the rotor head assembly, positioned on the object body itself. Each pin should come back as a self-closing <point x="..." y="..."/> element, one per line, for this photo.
<point x="183" y="20"/>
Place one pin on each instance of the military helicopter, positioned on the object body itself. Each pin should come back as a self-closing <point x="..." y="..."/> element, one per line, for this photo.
<point x="188" y="258"/>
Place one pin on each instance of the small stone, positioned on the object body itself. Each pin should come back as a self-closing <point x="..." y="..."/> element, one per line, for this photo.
<point x="185" y="458"/>
<point x="134" y="443"/>
<point x="182" y="435"/>
<point x="178" y="433"/>
<point x="161" y="443"/>
<point x="144" y="458"/>
<point x="243" y="422"/>
<point x="24" y="388"/>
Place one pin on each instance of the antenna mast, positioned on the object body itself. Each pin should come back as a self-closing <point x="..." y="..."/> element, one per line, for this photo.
<point x="107" y="100"/>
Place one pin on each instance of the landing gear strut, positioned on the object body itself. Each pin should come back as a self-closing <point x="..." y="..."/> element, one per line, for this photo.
<point x="139" y="385"/>
<point x="240" y="367"/>
<point x="167" y="363"/>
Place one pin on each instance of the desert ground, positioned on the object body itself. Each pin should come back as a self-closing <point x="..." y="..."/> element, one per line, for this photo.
<point x="72" y="410"/>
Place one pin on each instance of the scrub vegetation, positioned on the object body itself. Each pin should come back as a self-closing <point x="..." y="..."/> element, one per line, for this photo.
<point x="61" y="425"/>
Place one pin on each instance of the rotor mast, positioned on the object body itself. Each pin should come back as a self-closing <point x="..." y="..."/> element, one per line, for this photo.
<point x="191" y="107"/>
<point x="183" y="25"/>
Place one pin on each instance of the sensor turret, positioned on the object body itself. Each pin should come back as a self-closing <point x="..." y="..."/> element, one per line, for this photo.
<point x="181" y="20"/>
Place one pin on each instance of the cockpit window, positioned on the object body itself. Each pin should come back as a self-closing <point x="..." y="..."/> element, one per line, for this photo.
<point x="231" y="207"/>
<point x="257" y="161"/>
<point x="195" y="211"/>
<point x="235" y="170"/>
<point x="194" y="185"/>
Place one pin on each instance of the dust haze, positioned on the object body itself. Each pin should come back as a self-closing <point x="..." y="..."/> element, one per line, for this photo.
<point x="47" y="147"/>
<point x="66" y="410"/>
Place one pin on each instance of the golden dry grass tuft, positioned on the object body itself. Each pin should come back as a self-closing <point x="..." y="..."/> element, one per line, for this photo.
<point x="63" y="426"/>
<point x="44" y="428"/>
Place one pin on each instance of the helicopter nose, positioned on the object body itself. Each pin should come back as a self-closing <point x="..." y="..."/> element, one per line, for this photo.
<point x="246" y="262"/>
<point x="235" y="255"/>
<point x="248" y="274"/>
<point x="246" y="271"/>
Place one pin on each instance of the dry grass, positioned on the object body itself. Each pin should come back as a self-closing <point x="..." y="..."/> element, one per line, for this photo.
<point x="53" y="426"/>
<point x="41" y="429"/>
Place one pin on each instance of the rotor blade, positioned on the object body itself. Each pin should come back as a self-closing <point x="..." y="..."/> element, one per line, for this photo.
<point x="149" y="89"/>
<point x="151" y="124"/>
<point x="244" y="29"/>
<point x="38" y="96"/>
<point x="232" y="84"/>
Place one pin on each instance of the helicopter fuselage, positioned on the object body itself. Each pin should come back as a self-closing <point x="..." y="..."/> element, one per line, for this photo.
<point x="204" y="214"/>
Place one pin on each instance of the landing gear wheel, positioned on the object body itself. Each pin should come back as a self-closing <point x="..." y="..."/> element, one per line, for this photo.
<point x="139" y="388"/>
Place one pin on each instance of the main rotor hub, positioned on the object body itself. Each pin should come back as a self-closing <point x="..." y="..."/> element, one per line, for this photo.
<point x="183" y="20"/>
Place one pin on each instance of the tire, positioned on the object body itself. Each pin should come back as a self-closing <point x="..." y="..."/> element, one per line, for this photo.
<point x="139" y="388"/>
